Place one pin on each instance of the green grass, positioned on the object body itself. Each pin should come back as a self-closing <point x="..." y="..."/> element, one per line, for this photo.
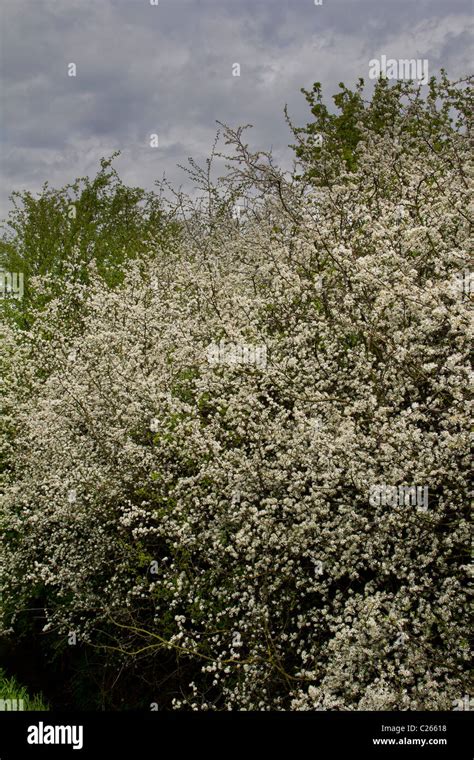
<point x="15" y="697"/>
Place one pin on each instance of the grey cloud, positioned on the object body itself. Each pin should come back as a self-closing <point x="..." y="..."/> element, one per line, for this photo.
<point x="167" y="69"/>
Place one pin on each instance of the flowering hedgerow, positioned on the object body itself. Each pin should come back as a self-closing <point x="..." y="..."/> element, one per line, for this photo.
<point x="159" y="501"/>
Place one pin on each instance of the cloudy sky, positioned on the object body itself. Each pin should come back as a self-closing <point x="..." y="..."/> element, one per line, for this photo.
<point x="168" y="69"/>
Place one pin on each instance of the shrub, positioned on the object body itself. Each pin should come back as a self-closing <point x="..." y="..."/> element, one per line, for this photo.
<point x="222" y="510"/>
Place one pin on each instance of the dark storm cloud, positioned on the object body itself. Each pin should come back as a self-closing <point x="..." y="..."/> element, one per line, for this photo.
<point x="168" y="69"/>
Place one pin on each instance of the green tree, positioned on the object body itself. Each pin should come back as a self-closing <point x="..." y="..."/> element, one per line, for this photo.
<point x="328" y="145"/>
<point x="62" y="231"/>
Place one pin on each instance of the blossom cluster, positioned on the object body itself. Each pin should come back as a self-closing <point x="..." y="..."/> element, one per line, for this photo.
<point x="222" y="510"/>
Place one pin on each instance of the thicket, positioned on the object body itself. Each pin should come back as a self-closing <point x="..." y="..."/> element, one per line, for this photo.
<point x="197" y="533"/>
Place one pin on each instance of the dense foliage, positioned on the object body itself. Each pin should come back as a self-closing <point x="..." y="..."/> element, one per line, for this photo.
<point x="191" y="461"/>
